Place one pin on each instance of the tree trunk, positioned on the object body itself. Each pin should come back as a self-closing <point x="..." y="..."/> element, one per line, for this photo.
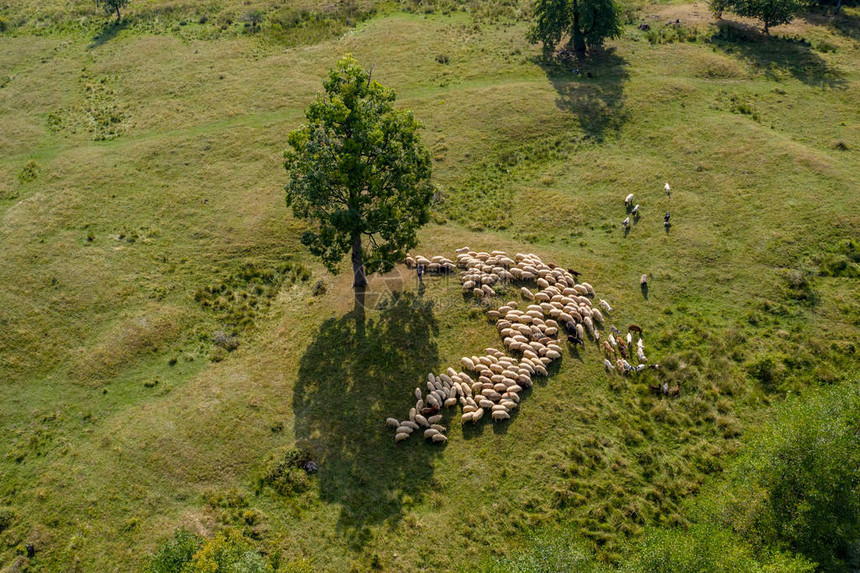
<point x="359" y="281"/>
<point x="838" y="6"/>
<point x="576" y="37"/>
<point x="118" y="17"/>
<point x="766" y="29"/>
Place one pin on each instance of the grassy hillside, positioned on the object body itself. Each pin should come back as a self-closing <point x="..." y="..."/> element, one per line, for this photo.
<point x="142" y="206"/>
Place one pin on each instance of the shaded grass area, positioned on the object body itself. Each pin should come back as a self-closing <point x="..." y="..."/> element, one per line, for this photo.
<point x="105" y="244"/>
<point x="346" y="385"/>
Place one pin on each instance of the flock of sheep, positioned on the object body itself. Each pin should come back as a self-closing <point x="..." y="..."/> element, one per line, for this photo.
<point x="491" y="383"/>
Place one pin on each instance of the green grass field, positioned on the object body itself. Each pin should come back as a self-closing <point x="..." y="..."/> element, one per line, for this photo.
<point x="142" y="164"/>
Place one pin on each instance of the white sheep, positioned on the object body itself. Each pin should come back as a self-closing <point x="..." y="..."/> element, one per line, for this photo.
<point x="635" y="210"/>
<point x="605" y="305"/>
<point x="392" y="422"/>
<point x="608" y="365"/>
<point x="626" y="222"/>
<point x="628" y="200"/>
<point x="667" y="188"/>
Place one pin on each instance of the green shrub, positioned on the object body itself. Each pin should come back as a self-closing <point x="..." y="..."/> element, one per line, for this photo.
<point x="705" y="548"/>
<point x="767" y="369"/>
<point x="228" y="552"/>
<point x="175" y="553"/>
<point x="838" y="266"/>
<point x="285" y="472"/>
<point x="797" y="483"/>
<point x="7" y="517"/>
<point x="799" y="286"/>
<point x="30" y="171"/>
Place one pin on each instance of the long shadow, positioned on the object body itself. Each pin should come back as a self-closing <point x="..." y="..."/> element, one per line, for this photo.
<point x="359" y="370"/>
<point x="844" y="23"/>
<point x="108" y="32"/>
<point x="776" y="56"/>
<point x="591" y="88"/>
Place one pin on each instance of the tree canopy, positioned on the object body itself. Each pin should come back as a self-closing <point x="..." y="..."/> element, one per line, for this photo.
<point x="358" y="173"/>
<point x="586" y="23"/>
<point x="113" y="6"/>
<point x="770" y="12"/>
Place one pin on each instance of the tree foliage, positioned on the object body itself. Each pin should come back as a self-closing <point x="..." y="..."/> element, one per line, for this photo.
<point x="798" y="485"/>
<point x="113" y="6"/>
<point x="770" y="12"/>
<point x="358" y="173"/>
<point x="586" y="23"/>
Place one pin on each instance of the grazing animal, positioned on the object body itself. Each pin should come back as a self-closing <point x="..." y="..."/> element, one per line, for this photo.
<point x="635" y="210"/>
<point x="628" y="200"/>
<point x="634" y="328"/>
<point x="622" y="346"/>
<point x="607" y="349"/>
<point x="667" y="188"/>
<point x="643" y="281"/>
<point x="574" y="339"/>
<point x="629" y="339"/>
<point x="573" y="272"/>
<point x="666" y="217"/>
<point x="614" y="330"/>
<point x="605" y="305"/>
<point x="608" y="365"/>
<point x="664" y="389"/>
<point x="626" y="222"/>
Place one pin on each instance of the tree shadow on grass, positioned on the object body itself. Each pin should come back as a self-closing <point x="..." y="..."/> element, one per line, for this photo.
<point x="776" y="56"/>
<point x="359" y="370"/>
<point x="845" y="23"/>
<point x="107" y="33"/>
<point x="591" y="88"/>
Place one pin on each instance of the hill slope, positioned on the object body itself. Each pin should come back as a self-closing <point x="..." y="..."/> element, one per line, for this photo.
<point x="140" y="165"/>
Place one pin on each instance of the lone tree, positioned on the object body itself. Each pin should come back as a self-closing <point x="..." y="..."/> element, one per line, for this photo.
<point x="359" y="173"/>
<point x="770" y="12"/>
<point x="113" y="7"/>
<point x="586" y="23"/>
